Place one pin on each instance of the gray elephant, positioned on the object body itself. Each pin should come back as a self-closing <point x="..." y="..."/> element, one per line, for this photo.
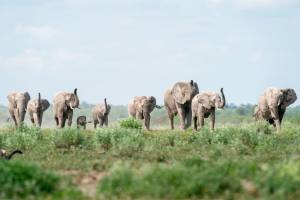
<point x="82" y="121"/>
<point x="141" y="107"/>
<point x="100" y="114"/>
<point x="36" y="108"/>
<point x="64" y="103"/>
<point x="178" y="100"/>
<point x="204" y="105"/>
<point x="272" y="105"/>
<point x="17" y="106"/>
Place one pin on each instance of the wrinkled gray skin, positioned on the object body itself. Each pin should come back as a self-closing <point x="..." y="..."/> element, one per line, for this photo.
<point x="204" y="105"/>
<point x="178" y="99"/>
<point x="17" y="106"/>
<point x="272" y="105"/>
<point x="100" y="114"/>
<point x="141" y="107"/>
<point x="64" y="103"/>
<point x="36" y="108"/>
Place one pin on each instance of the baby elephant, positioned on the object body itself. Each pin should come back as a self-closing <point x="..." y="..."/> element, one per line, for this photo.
<point x="36" y="108"/>
<point x="81" y="122"/>
<point x="204" y="105"/>
<point x="272" y="105"/>
<point x="140" y="108"/>
<point x="100" y="114"/>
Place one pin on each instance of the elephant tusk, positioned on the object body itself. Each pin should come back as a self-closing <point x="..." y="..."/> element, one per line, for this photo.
<point x="71" y="107"/>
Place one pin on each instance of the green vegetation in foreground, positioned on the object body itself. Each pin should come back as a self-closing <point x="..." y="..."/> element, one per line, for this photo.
<point x="245" y="162"/>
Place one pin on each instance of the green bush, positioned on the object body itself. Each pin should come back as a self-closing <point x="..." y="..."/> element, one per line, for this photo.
<point x="19" y="180"/>
<point x="67" y="138"/>
<point x="131" y="123"/>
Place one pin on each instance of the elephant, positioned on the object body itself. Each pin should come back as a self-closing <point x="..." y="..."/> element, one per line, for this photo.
<point x="178" y="100"/>
<point x="36" y="108"/>
<point x="140" y="107"/>
<point x="100" y="114"/>
<point x="272" y="105"/>
<point x="81" y="122"/>
<point x="64" y="104"/>
<point x="204" y="105"/>
<point x="17" y="106"/>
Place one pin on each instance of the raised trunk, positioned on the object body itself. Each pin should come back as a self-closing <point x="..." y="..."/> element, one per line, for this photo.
<point x="223" y="101"/>
<point x="106" y="108"/>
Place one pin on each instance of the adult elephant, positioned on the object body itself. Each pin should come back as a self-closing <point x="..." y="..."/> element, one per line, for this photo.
<point x="100" y="114"/>
<point x="204" y="105"/>
<point x="64" y="103"/>
<point x="178" y="100"/>
<point x="140" y="107"/>
<point x="17" y="105"/>
<point x="272" y="105"/>
<point x="36" y="108"/>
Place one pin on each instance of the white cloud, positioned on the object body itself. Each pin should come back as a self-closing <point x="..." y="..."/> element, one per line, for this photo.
<point x="262" y="3"/>
<point x="39" y="32"/>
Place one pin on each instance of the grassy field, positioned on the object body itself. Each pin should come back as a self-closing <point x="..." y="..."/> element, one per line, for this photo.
<point x="247" y="161"/>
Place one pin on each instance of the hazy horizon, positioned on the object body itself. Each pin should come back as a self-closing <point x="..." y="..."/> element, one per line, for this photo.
<point x="124" y="48"/>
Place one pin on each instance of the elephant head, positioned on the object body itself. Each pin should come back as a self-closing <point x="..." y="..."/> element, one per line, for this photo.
<point x="212" y="100"/>
<point x="288" y="97"/>
<point x="18" y="102"/>
<point x="183" y="92"/>
<point x="72" y="100"/>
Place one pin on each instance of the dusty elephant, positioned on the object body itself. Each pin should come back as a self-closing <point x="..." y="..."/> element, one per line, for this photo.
<point x="64" y="103"/>
<point x="17" y="106"/>
<point x="141" y="107"/>
<point x="178" y="100"/>
<point x="204" y="105"/>
<point x="100" y="114"/>
<point x="272" y="105"/>
<point x="36" y="108"/>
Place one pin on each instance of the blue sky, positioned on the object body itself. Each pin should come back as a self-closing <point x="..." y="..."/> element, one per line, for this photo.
<point x="123" y="48"/>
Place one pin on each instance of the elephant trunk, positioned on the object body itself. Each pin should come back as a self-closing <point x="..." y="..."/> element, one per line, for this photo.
<point x="223" y="101"/>
<point x="21" y="111"/>
<point x="106" y="107"/>
<point x="147" y="120"/>
<point x="76" y="104"/>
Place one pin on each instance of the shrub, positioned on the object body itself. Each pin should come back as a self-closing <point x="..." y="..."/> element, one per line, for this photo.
<point x="67" y="138"/>
<point x="131" y="123"/>
<point x="19" y="180"/>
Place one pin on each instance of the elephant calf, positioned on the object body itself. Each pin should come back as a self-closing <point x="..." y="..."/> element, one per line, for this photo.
<point x="36" y="108"/>
<point x="204" y="105"/>
<point x="17" y="104"/>
<point x="100" y="114"/>
<point x="81" y="122"/>
<point x="141" y="107"/>
<point x="272" y="105"/>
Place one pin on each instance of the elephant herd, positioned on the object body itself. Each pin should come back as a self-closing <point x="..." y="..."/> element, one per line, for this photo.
<point x="182" y="99"/>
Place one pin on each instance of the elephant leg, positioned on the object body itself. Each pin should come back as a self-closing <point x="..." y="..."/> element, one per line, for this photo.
<point x="275" y="116"/>
<point x="106" y="121"/>
<point x="56" y="121"/>
<point x="95" y="124"/>
<point x="70" y="117"/>
<point x="31" y="117"/>
<point x="35" y="118"/>
<point x="188" y="119"/>
<point x="195" y="123"/>
<point x="213" y="119"/>
<point x="182" y="115"/>
<point x="12" y="114"/>
<point x="101" y="122"/>
<point x="171" y="120"/>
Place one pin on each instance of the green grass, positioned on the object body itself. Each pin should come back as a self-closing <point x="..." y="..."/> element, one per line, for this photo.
<point x="247" y="161"/>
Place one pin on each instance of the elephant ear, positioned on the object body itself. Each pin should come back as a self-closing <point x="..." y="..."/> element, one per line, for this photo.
<point x="182" y="92"/>
<point x="207" y="100"/>
<point x="289" y="97"/>
<point x="12" y="99"/>
<point x="139" y="102"/>
<point x="45" y="104"/>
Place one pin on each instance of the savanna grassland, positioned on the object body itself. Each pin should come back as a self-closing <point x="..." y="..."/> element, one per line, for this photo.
<point x="239" y="160"/>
